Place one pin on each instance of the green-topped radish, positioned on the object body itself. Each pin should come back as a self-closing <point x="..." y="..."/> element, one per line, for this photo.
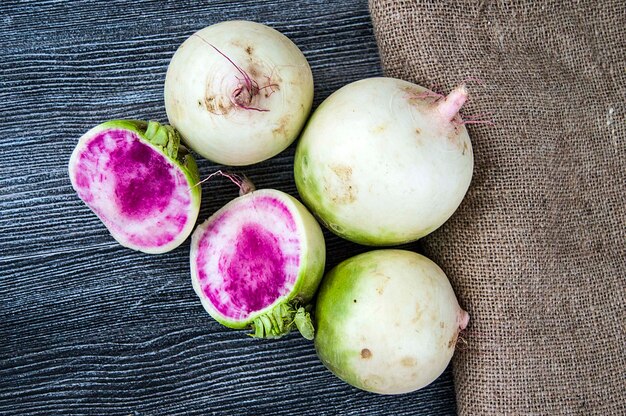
<point x="257" y="262"/>
<point x="384" y="161"/>
<point x="139" y="181"/>
<point x="387" y="321"/>
<point x="239" y="92"/>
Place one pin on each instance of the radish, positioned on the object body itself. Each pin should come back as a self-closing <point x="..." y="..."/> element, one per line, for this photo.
<point x="257" y="262"/>
<point x="238" y="92"/>
<point x="139" y="181"/>
<point x="384" y="161"/>
<point x="387" y="321"/>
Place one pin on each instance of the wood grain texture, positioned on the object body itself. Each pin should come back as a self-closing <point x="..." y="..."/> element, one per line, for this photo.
<point x="89" y="327"/>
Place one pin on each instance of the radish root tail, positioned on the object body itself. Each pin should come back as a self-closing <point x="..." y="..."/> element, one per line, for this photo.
<point x="244" y="184"/>
<point x="463" y="319"/>
<point x="247" y="87"/>
<point x="449" y="107"/>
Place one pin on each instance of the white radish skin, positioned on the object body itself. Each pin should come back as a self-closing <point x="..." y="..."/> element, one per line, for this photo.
<point x="238" y="92"/>
<point x="387" y="321"/>
<point x="383" y="161"/>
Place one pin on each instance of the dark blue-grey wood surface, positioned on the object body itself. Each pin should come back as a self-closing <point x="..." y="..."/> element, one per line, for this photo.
<point x="89" y="327"/>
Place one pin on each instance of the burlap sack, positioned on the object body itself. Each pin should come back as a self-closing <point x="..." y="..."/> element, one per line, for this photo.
<point x="536" y="251"/>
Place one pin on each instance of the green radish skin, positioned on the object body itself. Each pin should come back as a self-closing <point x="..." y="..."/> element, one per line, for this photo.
<point x="387" y="321"/>
<point x="383" y="161"/>
<point x="257" y="263"/>
<point x="141" y="183"/>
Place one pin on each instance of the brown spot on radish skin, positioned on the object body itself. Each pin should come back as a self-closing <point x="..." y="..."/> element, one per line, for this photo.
<point x="366" y="354"/>
<point x="223" y="108"/>
<point x="249" y="50"/>
<point x="379" y="129"/>
<point x="418" y="131"/>
<point x="418" y="314"/>
<point x="216" y="104"/>
<point x="454" y="136"/>
<point x="408" y="362"/>
<point x="452" y="341"/>
<point x="418" y="97"/>
<point x="253" y="70"/>
<point x="236" y="42"/>
<point x="341" y="190"/>
<point x="385" y="279"/>
<point x="412" y="93"/>
<point x="373" y="381"/>
<point x="442" y="324"/>
<point x="281" y="127"/>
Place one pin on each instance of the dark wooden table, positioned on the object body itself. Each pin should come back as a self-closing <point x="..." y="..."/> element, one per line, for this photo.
<point x="89" y="327"/>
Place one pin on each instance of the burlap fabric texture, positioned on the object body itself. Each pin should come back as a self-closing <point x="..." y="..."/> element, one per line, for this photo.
<point x="536" y="251"/>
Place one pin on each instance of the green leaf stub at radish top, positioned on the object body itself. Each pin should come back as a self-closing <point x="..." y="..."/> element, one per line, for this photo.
<point x="164" y="136"/>
<point x="257" y="261"/>
<point x="281" y="320"/>
<point x="139" y="181"/>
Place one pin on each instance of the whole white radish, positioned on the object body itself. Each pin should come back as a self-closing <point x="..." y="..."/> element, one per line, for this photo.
<point x="383" y="161"/>
<point x="387" y="321"/>
<point x="238" y="92"/>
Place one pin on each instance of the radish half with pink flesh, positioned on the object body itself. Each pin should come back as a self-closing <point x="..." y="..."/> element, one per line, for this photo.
<point x="257" y="262"/>
<point x="383" y="161"/>
<point x="387" y="321"/>
<point x="238" y="92"/>
<point x="138" y="179"/>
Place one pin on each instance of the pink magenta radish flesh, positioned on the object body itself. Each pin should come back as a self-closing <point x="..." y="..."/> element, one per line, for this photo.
<point x="137" y="179"/>
<point x="257" y="261"/>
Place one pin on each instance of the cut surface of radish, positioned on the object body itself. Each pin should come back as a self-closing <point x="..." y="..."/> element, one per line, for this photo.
<point x="145" y="197"/>
<point x="261" y="254"/>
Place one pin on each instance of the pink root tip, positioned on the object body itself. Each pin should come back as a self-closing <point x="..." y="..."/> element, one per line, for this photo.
<point x="450" y="106"/>
<point x="244" y="184"/>
<point x="463" y="319"/>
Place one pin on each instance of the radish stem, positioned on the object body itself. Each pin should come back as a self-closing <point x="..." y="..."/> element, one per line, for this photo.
<point x="451" y="105"/>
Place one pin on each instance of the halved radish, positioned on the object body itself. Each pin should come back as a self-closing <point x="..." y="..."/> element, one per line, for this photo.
<point x="257" y="262"/>
<point x="139" y="181"/>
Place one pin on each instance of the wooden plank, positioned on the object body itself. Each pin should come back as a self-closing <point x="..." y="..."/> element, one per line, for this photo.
<point x="88" y="327"/>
